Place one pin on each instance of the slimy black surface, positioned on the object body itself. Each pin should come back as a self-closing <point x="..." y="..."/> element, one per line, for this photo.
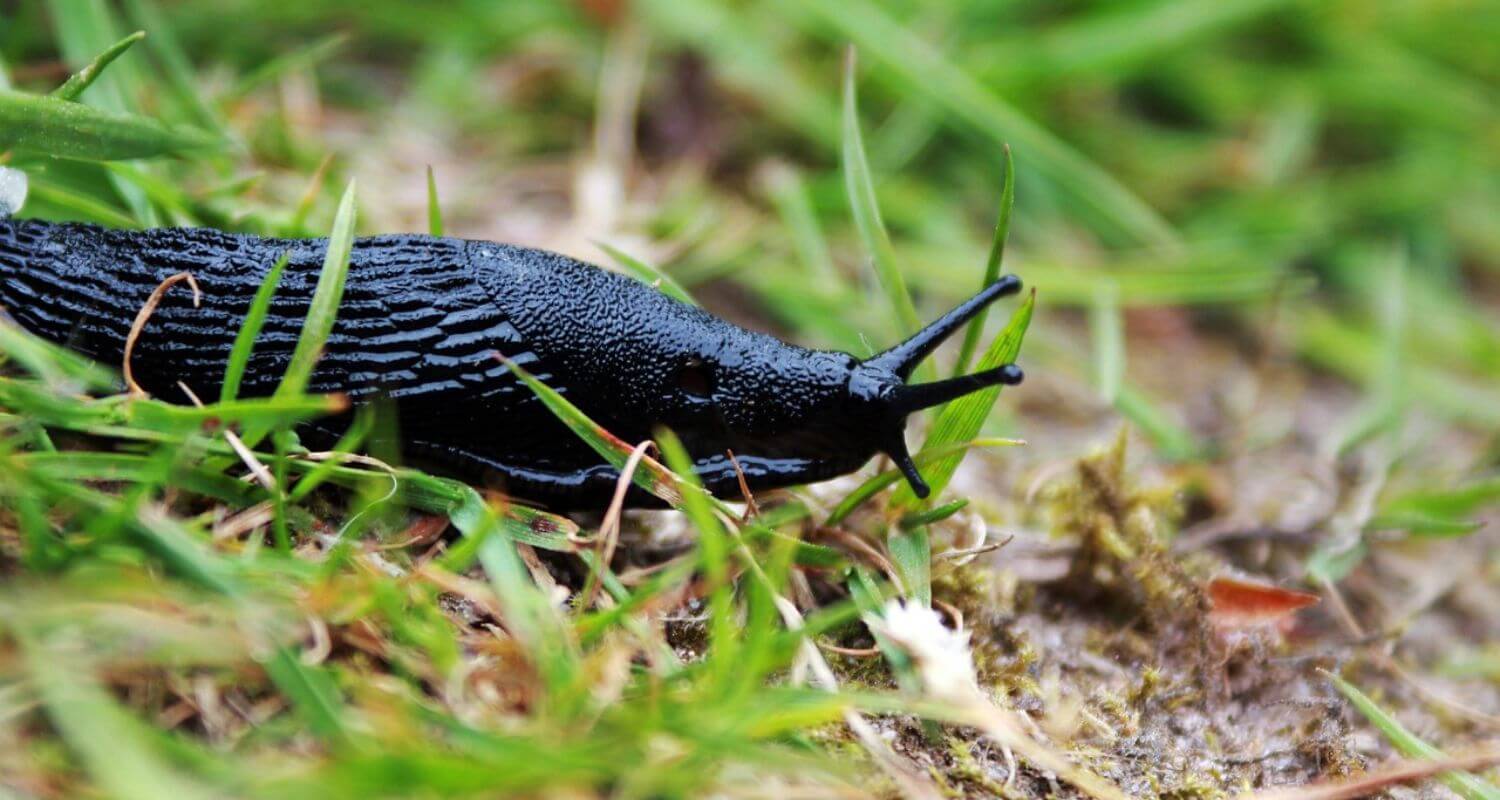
<point x="419" y="328"/>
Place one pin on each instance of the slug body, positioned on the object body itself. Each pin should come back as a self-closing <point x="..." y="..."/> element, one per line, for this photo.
<point x="420" y="325"/>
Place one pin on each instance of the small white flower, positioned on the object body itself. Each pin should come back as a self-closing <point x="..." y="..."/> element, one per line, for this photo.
<point x="941" y="655"/>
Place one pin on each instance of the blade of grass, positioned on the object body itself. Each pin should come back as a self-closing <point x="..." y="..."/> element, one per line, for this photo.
<point x="911" y="553"/>
<point x="325" y="302"/>
<point x="434" y="210"/>
<point x="87" y="27"/>
<point x="244" y="340"/>
<point x="788" y="193"/>
<point x="66" y="129"/>
<point x="323" y="311"/>
<point x="1107" y="330"/>
<point x="919" y="68"/>
<point x="714" y="558"/>
<point x="917" y="519"/>
<point x="112" y="745"/>
<point x="647" y="274"/>
<point x="1466" y="785"/>
<point x="77" y="206"/>
<point x="1170" y="439"/>
<point x="871" y="487"/>
<point x="992" y="265"/>
<point x="651" y="476"/>
<point x="61" y="370"/>
<point x="1466" y="499"/>
<point x="294" y="61"/>
<point x="529" y="615"/>
<point x="163" y="44"/>
<point x="860" y="187"/>
<point x="80" y="80"/>
<point x="312" y="692"/>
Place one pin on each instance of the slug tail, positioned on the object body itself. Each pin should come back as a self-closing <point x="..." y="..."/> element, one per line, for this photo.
<point x="904" y="357"/>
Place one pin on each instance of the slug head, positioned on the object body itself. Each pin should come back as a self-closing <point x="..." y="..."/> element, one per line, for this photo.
<point x="793" y="415"/>
<point x="878" y="385"/>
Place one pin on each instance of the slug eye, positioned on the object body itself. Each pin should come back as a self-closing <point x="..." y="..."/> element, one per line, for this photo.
<point x="696" y="379"/>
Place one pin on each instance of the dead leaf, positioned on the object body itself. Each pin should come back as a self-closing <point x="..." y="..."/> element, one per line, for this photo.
<point x="1237" y="603"/>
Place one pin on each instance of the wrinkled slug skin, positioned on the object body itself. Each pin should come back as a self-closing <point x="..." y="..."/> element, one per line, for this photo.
<point x="420" y="323"/>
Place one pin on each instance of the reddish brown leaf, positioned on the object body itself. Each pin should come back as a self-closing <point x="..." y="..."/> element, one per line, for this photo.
<point x="1237" y="603"/>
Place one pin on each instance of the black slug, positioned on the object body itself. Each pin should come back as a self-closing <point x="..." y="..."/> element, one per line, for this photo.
<point x="422" y="319"/>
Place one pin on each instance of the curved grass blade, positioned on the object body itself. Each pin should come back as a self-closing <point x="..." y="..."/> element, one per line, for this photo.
<point x="434" y="211"/>
<point x="244" y="340"/>
<point x="325" y="302"/>
<point x="991" y="265"/>
<point x="164" y="45"/>
<point x="919" y="68"/>
<point x="80" y="80"/>
<point x="1465" y="785"/>
<point x="65" y="129"/>
<point x="866" y="210"/>
<point x="647" y="274"/>
<point x="651" y="476"/>
<point x="871" y="487"/>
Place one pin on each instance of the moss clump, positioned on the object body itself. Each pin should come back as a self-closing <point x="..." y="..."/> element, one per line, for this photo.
<point x="1121" y="529"/>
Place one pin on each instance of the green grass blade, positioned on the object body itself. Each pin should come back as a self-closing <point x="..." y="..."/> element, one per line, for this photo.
<point x="111" y="744"/>
<point x="1466" y="785"/>
<point x="85" y="28"/>
<point x="82" y="79"/>
<point x="529" y="615"/>
<point x="326" y="299"/>
<point x="911" y="553"/>
<point x="61" y="370"/>
<point x="788" y="193"/>
<point x="919" y="68"/>
<point x="872" y="486"/>
<point x="1107" y="329"/>
<point x="434" y="210"/>
<point x="860" y="187"/>
<point x="1423" y="526"/>
<point x="647" y="274"/>
<point x="714" y="556"/>
<point x="312" y="693"/>
<point x="169" y="418"/>
<point x="244" y="339"/>
<point x="1171" y="440"/>
<point x="651" y="476"/>
<point x="58" y="199"/>
<point x="992" y="265"/>
<point x="1466" y="499"/>
<point x="325" y="302"/>
<point x="295" y="61"/>
<point x="62" y="128"/>
<point x="163" y="44"/>
<point x="321" y="314"/>
<point x="917" y="519"/>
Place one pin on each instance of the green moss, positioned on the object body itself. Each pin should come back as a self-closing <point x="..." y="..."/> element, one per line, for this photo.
<point x="1122" y="534"/>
